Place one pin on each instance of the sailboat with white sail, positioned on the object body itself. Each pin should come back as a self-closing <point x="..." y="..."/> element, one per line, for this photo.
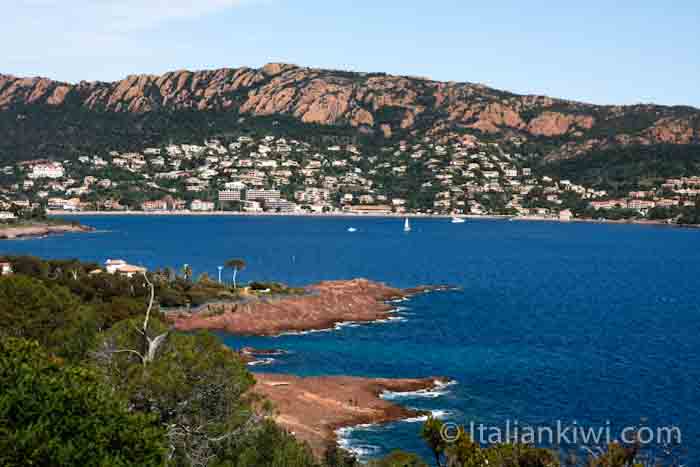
<point x="406" y="226"/>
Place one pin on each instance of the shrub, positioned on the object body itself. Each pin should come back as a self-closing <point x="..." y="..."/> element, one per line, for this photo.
<point x="59" y="415"/>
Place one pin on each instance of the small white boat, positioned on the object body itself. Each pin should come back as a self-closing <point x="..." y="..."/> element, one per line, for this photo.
<point x="352" y="229"/>
<point x="406" y="226"/>
<point x="457" y="220"/>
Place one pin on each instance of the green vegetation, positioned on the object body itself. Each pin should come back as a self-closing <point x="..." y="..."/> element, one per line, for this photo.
<point x="464" y="452"/>
<point x="691" y="216"/>
<point x="33" y="216"/>
<point x="91" y="375"/>
<point x="69" y="131"/>
<point x="236" y="265"/>
<point x="274" y="288"/>
<point x="399" y="459"/>
<point x="53" y="413"/>
<point x="624" y="169"/>
<point x="79" y="387"/>
<point x="48" y="314"/>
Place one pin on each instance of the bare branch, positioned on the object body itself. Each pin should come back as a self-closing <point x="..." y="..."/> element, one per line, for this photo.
<point x="150" y="303"/>
<point x="153" y="346"/>
<point x="137" y="329"/>
<point x="129" y="351"/>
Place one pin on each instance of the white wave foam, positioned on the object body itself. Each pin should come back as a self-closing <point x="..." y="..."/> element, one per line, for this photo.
<point x="444" y="384"/>
<point x="269" y="353"/>
<point x="439" y="389"/>
<point x="345" y="441"/>
<point x="420" y="419"/>
<point x="344" y="324"/>
<point x="398" y="300"/>
<point x="262" y="361"/>
<point x="347" y="324"/>
<point x="439" y="414"/>
<point x="390" y="319"/>
<point x="425" y="393"/>
<point x="361" y="451"/>
<point x="303" y="333"/>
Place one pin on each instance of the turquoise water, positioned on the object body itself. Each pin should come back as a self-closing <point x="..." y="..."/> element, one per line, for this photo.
<point x="572" y="322"/>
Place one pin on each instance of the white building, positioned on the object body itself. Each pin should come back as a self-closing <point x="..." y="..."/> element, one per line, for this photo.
<point x="5" y="268"/>
<point x="119" y="266"/>
<point x="262" y="195"/>
<point x="199" y="205"/>
<point x="230" y="195"/>
<point x="234" y="185"/>
<point x="50" y="170"/>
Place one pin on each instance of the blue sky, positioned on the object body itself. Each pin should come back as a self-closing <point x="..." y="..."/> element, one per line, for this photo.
<point x="607" y="52"/>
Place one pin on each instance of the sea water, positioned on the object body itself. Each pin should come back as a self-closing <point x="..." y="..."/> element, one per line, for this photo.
<point x="591" y="324"/>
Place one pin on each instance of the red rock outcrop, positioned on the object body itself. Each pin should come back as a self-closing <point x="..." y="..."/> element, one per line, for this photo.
<point x="495" y="116"/>
<point x="673" y="130"/>
<point x="325" y="305"/>
<point x="384" y="104"/>
<point x="313" y="408"/>
<point x="40" y="230"/>
<point x="556" y="124"/>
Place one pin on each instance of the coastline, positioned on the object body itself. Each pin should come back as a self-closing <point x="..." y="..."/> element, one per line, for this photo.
<point x="339" y="214"/>
<point x="352" y="215"/>
<point x="319" y="409"/>
<point x="326" y="305"/>
<point x="605" y="221"/>
<point x="316" y="409"/>
<point x="40" y="230"/>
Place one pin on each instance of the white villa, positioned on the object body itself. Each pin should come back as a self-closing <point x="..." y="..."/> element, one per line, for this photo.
<point x="119" y="266"/>
<point x="5" y="268"/>
<point x="53" y="170"/>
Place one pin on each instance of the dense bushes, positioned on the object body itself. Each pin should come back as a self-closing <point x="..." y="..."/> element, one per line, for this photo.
<point x="54" y="414"/>
<point x="98" y="383"/>
<point x="624" y="169"/>
<point x="691" y="215"/>
<point x="49" y="314"/>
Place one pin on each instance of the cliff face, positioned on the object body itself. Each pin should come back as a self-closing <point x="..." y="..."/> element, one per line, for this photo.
<point x="371" y="103"/>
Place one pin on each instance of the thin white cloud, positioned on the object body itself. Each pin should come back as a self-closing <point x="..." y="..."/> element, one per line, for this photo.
<point x="117" y="16"/>
<point x="38" y="36"/>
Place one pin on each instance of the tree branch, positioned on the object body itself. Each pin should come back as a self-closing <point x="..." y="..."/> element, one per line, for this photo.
<point x="129" y="351"/>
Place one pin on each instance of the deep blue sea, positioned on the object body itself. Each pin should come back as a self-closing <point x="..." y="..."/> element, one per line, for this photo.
<point x="591" y="323"/>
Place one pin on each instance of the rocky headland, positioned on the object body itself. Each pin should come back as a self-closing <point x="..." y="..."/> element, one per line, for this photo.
<point x="323" y="306"/>
<point x="314" y="408"/>
<point x="40" y="230"/>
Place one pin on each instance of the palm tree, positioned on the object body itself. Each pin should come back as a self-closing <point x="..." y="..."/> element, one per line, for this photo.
<point x="236" y="265"/>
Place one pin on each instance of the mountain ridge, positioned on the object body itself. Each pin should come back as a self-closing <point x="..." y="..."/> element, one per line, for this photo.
<point x="385" y="105"/>
<point x="334" y="70"/>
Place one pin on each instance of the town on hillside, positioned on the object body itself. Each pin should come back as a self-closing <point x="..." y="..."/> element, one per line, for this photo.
<point x="255" y="174"/>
